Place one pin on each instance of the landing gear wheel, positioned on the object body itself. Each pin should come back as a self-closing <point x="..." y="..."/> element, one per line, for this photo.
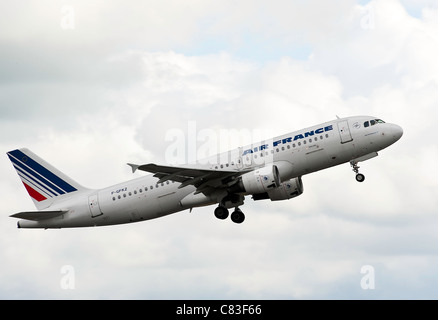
<point x="360" y="177"/>
<point x="221" y="212"/>
<point x="237" y="216"/>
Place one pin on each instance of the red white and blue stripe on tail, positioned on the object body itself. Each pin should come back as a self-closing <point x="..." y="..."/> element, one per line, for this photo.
<point x="41" y="180"/>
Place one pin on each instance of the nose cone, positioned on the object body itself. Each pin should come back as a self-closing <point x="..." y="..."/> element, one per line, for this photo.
<point x="397" y="132"/>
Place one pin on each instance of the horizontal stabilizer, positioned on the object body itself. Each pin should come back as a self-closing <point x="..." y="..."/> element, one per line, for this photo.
<point x="38" y="215"/>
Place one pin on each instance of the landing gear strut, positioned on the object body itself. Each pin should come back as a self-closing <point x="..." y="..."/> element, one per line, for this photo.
<point x="222" y="213"/>
<point x="359" y="176"/>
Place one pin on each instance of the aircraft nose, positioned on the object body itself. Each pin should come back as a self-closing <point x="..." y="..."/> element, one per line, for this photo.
<point x="397" y="132"/>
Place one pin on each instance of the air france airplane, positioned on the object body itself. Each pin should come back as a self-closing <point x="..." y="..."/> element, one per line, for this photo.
<point x="270" y="169"/>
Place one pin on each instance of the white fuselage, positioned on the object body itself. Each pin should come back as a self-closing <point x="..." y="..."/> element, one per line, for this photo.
<point x="296" y="154"/>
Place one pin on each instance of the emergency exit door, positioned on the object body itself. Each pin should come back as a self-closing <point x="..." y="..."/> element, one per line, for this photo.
<point x="344" y="131"/>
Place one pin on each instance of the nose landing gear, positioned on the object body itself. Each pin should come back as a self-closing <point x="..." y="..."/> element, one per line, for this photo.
<point x="359" y="176"/>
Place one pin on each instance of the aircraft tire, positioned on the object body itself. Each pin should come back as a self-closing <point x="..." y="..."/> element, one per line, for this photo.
<point x="360" y="177"/>
<point x="221" y="213"/>
<point x="237" y="216"/>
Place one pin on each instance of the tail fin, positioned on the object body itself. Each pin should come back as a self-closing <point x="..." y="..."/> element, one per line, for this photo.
<point x="44" y="183"/>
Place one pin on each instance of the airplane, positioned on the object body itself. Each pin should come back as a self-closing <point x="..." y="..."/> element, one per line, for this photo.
<point x="270" y="169"/>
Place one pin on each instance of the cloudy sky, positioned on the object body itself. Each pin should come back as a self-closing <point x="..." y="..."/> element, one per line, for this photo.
<point x="92" y="85"/>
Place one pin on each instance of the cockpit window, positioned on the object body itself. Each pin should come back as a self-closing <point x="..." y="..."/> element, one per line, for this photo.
<point x="366" y="124"/>
<point x="373" y="122"/>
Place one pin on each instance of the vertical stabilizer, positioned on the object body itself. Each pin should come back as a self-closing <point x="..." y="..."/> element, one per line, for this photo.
<point x="44" y="183"/>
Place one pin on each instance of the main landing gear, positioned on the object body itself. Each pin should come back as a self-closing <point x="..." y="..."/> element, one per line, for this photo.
<point x="359" y="176"/>
<point x="222" y="213"/>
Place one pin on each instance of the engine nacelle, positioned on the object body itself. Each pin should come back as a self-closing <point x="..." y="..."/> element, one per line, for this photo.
<point x="261" y="180"/>
<point x="287" y="190"/>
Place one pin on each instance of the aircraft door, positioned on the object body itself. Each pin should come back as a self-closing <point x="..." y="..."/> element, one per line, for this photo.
<point x="344" y="131"/>
<point x="93" y="204"/>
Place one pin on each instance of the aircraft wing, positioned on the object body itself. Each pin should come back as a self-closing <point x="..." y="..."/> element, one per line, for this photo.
<point x="203" y="179"/>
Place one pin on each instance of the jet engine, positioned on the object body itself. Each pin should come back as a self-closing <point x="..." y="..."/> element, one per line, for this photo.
<point x="287" y="190"/>
<point x="260" y="180"/>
